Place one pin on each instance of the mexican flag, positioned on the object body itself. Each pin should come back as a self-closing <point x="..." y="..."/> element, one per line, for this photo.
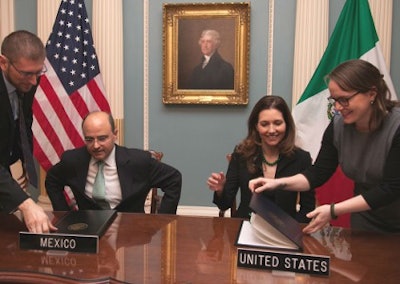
<point x="354" y="37"/>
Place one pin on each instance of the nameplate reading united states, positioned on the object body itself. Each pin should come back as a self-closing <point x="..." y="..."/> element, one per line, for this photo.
<point x="290" y="262"/>
<point x="63" y="242"/>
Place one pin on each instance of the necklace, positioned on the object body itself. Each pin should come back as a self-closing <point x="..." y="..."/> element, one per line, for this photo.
<point x="270" y="164"/>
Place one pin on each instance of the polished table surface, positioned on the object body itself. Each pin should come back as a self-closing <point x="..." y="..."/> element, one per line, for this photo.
<point x="145" y="248"/>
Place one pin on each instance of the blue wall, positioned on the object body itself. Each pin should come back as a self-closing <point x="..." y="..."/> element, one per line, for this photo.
<point x="196" y="138"/>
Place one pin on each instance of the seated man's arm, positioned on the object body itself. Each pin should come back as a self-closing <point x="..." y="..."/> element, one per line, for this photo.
<point x="169" y="180"/>
<point x="55" y="188"/>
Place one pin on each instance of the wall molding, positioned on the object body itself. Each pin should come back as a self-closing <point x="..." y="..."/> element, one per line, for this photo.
<point x="146" y="74"/>
<point x="108" y="41"/>
<point x="7" y="18"/>
<point x="270" y="46"/>
<point x="201" y="211"/>
<point x="207" y="211"/>
<point x="311" y="39"/>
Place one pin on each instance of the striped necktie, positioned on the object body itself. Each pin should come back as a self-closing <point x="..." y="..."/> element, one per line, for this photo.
<point x="99" y="187"/>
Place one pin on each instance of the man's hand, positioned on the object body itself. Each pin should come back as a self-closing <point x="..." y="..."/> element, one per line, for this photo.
<point x="36" y="220"/>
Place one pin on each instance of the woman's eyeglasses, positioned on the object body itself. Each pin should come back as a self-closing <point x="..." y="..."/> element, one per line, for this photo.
<point x="343" y="101"/>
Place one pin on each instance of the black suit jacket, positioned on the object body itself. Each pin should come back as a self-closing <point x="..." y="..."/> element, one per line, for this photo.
<point x="218" y="74"/>
<point x="238" y="176"/>
<point x="11" y="194"/>
<point x="138" y="172"/>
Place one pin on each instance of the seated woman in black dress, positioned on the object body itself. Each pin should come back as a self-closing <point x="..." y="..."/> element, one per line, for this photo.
<point x="268" y="151"/>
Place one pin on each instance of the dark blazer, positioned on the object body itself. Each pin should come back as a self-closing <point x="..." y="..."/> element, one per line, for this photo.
<point x="138" y="172"/>
<point x="238" y="176"/>
<point x="218" y="74"/>
<point x="11" y="194"/>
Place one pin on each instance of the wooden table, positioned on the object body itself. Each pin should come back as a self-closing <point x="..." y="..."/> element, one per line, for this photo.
<point x="143" y="248"/>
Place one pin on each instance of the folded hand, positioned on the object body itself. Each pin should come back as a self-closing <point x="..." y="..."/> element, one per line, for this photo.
<point x="216" y="181"/>
<point x="260" y="184"/>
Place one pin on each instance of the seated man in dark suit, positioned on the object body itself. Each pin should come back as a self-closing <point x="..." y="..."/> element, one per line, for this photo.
<point x="124" y="179"/>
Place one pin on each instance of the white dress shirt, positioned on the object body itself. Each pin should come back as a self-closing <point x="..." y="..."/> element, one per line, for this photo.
<point x="113" y="187"/>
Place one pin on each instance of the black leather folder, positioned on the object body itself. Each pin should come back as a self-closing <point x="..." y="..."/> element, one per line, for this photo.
<point x="86" y="222"/>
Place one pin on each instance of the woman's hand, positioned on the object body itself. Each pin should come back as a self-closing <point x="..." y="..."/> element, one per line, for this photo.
<point x="216" y="181"/>
<point x="320" y="217"/>
<point x="260" y="184"/>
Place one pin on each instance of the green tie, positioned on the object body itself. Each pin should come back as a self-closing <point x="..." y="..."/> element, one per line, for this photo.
<point x="99" y="187"/>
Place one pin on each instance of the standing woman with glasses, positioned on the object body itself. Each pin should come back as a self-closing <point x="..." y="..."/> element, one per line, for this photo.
<point x="364" y="139"/>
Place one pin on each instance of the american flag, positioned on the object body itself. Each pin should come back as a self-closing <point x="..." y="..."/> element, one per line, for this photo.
<point x="71" y="87"/>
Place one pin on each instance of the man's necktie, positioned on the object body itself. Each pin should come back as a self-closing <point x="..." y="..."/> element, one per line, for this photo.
<point x="28" y="164"/>
<point x="99" y="187"/>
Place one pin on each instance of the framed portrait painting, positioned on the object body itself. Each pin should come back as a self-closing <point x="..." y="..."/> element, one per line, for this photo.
<point x="206" y="53"/>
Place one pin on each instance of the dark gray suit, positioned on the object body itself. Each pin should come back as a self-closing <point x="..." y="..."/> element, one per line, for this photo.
<point x="138" y="172"/>
<point x="11" y="194"/>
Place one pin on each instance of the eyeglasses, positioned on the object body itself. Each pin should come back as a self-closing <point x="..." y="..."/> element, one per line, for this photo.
<point x="343" y="101"/>
<point x="26" y="74"/>
<point x="100" y="139"/>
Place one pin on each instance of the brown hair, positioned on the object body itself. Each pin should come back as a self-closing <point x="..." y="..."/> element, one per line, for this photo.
<point x="249" y="146"/>
<point x="361" y="76"/>
<point x="23" y="44"/>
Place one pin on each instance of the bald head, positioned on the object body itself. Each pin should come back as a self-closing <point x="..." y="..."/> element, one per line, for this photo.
<point x="100" y="115"/>
<point x="100" y="134"/>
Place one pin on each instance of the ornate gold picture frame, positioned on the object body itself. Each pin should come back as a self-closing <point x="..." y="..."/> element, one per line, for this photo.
<point x="219" y="30"/>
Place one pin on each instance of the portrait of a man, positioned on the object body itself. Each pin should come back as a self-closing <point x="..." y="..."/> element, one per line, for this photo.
<point x="213" y="72"/>
<point x="206" y="53"/>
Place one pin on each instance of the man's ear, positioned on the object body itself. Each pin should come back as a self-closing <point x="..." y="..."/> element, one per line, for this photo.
<point x="3" y="62"/>
<point x="116" y="133"/>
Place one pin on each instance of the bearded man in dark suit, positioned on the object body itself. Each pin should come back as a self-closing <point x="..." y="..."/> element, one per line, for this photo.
<point x="22" y="63"/>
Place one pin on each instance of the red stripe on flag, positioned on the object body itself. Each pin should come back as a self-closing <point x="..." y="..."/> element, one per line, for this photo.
<point x="49" y="130"/>
<point x="98" y="96"/>
<point x="79" y="104"/>
<point x="40" y="155"/>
